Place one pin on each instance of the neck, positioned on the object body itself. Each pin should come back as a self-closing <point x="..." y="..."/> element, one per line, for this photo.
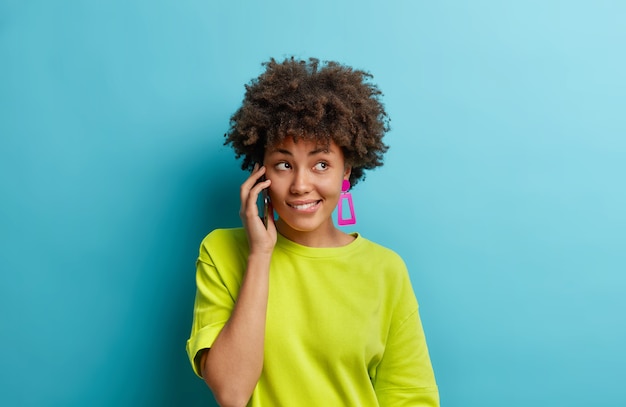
<point x="324" y="236"/>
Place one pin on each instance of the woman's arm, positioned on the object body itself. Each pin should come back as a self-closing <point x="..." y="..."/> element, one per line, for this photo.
<point x="405" y="374"/>
<point x="233" y="365"/>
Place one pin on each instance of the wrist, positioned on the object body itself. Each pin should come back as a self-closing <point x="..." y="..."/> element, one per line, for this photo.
<point x="260" y="256"/>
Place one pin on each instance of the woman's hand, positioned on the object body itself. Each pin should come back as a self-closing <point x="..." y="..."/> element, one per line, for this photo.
<point x="261" y="240"/>
<point x="234" y="363"/>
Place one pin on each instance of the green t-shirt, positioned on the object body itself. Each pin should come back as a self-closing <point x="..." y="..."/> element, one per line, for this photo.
<point x="343" y="327"/>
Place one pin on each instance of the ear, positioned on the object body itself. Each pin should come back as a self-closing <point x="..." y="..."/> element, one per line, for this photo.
<point x="347" y="172"/>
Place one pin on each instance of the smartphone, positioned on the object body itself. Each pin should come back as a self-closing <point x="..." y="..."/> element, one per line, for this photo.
<point x="266" y="204"/>
<point x="267" y="207"/>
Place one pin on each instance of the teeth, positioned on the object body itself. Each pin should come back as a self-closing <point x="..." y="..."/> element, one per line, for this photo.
<point x="304" y="206"/>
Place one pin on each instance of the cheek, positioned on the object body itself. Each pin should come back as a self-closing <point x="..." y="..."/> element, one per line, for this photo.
<point x="276" y="188"/>
<point x="332" y="189"/>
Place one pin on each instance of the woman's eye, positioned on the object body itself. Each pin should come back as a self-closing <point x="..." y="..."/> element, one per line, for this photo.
<point x="321" y="166"/>
<point x="283" y="166"/>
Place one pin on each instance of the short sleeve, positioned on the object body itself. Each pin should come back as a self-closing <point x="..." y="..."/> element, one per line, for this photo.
<point x="217" y="286"/>
<point x="404" y="376"/>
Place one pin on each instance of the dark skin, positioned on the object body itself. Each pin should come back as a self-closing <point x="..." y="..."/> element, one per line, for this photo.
<point x="313" y="125"/>
<point x="233" y="365"/>
<point x="312" y="101"/>
<point x="304" y="183"/>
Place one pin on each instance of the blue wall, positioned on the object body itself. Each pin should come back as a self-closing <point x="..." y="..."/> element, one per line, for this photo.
<point x="507" y="165"/>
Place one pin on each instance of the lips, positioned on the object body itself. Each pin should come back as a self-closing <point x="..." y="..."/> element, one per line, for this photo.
<point x="304" y="206"/>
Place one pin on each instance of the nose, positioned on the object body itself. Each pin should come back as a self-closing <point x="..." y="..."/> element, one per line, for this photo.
<point x="301" y="182"/>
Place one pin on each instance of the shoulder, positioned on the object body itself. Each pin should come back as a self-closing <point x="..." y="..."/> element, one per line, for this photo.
<point x="219" y="236"/>
<point x="393" y="277"/>
<point x="223" y="241"/>
<point x="380" y="263"/>
<point x="379" y="253"/>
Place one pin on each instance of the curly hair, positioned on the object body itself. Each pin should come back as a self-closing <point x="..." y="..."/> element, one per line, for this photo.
<point x="315" y="101"/>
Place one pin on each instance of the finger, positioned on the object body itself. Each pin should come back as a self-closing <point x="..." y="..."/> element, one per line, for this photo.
<point x="270" y="220"/>
<point x="249" y="207"/>
<point x="259" y="186"/>
<point x="254" y="177"/>
<point x="253" y="195"/>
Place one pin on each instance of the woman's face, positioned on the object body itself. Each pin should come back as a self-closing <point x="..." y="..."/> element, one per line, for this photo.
<point x="306" y="185"/>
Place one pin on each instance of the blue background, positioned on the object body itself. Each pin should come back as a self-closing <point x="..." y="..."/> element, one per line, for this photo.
<point x="503" y="188"/>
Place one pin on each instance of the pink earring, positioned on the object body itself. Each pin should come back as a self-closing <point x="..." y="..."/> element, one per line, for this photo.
<point x="345" y="187"/>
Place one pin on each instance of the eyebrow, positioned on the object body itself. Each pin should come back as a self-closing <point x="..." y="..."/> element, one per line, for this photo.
<point x="313" y="152"/>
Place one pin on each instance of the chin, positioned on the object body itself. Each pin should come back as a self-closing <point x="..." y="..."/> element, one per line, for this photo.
<point x="302" y="226"/>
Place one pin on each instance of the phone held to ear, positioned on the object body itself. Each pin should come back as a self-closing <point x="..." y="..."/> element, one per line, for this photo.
<point x="267" y="209"/>
<point x="266" y="203"/>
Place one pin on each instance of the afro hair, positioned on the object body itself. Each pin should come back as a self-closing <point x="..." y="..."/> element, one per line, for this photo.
<point x="314" y="101"/>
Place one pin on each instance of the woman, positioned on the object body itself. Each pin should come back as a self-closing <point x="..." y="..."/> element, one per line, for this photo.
<point x="296" y="312"/>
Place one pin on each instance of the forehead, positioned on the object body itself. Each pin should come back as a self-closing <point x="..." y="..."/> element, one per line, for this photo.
<point x="303" y="145"/>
